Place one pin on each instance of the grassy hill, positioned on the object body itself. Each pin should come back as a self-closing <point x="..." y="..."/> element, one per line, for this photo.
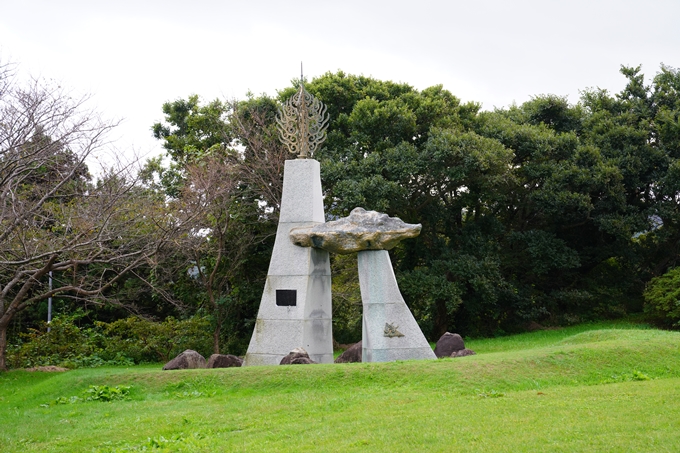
<point x="597" y="387"/>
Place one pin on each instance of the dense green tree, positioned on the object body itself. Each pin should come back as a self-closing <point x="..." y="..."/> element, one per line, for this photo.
<point x="542" y="211"/>
<point x="631" y="132"/>
<point x="662" y="298"/>
<point x="412" y="154"/>
<point x="190" y="131"/>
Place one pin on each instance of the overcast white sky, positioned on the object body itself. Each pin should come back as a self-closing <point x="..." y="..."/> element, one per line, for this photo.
<point x="134" y="55"/>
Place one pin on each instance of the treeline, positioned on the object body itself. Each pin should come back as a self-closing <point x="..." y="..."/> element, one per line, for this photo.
<point x="545" y="213"/>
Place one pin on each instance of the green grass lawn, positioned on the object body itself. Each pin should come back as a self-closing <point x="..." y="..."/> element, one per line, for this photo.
<point x="598" y="387"/>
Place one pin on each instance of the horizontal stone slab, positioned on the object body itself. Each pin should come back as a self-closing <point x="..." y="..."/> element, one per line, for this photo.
<point x="361" y="230"/>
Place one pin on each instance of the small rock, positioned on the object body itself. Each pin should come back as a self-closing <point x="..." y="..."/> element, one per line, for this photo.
<point x="295" y="354"/>
<point x="188" y="359"/>
<point x="224" y="361"/>
<point x="301" y="361"/>
<point x="351" y="354"/>
<point x="448" y="344"/>
<point x="463" y="353"/>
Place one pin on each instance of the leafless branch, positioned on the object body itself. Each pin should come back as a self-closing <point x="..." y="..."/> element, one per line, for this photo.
<point x="53" y="216"/>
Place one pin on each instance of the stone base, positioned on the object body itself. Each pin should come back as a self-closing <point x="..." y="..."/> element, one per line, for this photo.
<point x="274" y="338"/>
<point x="389" y="332"/>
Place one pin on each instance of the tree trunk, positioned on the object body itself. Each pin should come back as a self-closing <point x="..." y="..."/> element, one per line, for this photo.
<point x="216" y="338"/>
<point x="3" y="347"/>
<point x="440" y="319"/>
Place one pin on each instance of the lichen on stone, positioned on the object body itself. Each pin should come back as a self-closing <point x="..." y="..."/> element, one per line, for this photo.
<point x="361" y="230"/>
<point x="391" y="331"/>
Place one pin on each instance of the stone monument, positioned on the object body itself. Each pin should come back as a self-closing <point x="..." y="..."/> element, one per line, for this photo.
<point x="389" y="330"/>
<point x="295" y="309"/>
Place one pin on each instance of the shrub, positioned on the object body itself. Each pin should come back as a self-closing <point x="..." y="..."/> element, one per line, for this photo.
<point x="123" y="342"/>
<point x="148" y="341"/>
<point x="101" y="393"/>
<point x="107" y="394"/>
<point x="662" y="298"/>
<point x="64" y="342"/>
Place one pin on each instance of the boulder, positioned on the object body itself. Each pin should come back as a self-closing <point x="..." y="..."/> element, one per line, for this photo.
<point x="186" y="360"/>
<point x="361" y="230"/>
<point x="224" y="361"/>
<point x="297" y="356"/>
<point x="351" y="354"/>
<point x="448" y="344"/>
<point x="463" y="353"/>
<point x="302" y="361"/>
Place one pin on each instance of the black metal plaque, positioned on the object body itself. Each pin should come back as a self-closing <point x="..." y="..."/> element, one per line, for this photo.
<point x="286" y="297"/>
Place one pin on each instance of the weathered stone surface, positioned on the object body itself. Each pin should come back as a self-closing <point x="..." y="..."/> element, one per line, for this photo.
<point x="302" y="198"/>
<point x="362" y="230"/>
<point x="448" y="344"/>
<point x="305" y="318"/>
<point x="224" y="361"/>
<point x="463" y="353"/>
<point x="297" y="356"/>
<point x="351" y="354"/>
<point x="186" y="360"/>
<point x="389" y="330"/>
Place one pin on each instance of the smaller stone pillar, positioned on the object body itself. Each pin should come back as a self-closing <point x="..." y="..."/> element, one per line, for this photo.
<point x="389" y="330"/>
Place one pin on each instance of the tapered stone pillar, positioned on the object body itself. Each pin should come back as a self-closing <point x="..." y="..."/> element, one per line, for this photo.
<point x="389" y="330"/>
<point x="295" y="310"/>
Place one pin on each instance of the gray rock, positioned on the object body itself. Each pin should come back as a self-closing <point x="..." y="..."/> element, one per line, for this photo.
<point x="448" y="344"/>
<point x="362" y="230"/>
<point x="297" y="356"/>
<point x="463" y="353"/>
<point x="302" y="361"/>
<point x="351" y="354"/>
<point x="224" y="361"/>
<point x="186" y="360"/>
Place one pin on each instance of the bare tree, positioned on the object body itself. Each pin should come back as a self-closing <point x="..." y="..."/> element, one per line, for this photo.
<point x="53" y="218"/>
<point x="217" y="233"/>
<point x="224" y="187"/>
<point x="264" y="156"/>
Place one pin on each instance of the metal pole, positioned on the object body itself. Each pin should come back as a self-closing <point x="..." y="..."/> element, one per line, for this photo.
<point x="49" y="305"/>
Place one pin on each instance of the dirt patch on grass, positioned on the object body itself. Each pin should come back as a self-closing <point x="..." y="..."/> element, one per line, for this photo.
<point x="48" y="369"/>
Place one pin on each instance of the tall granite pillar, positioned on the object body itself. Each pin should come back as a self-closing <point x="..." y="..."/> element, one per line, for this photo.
<point x="389" y="330"/>
<point x="295" y="310"/>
